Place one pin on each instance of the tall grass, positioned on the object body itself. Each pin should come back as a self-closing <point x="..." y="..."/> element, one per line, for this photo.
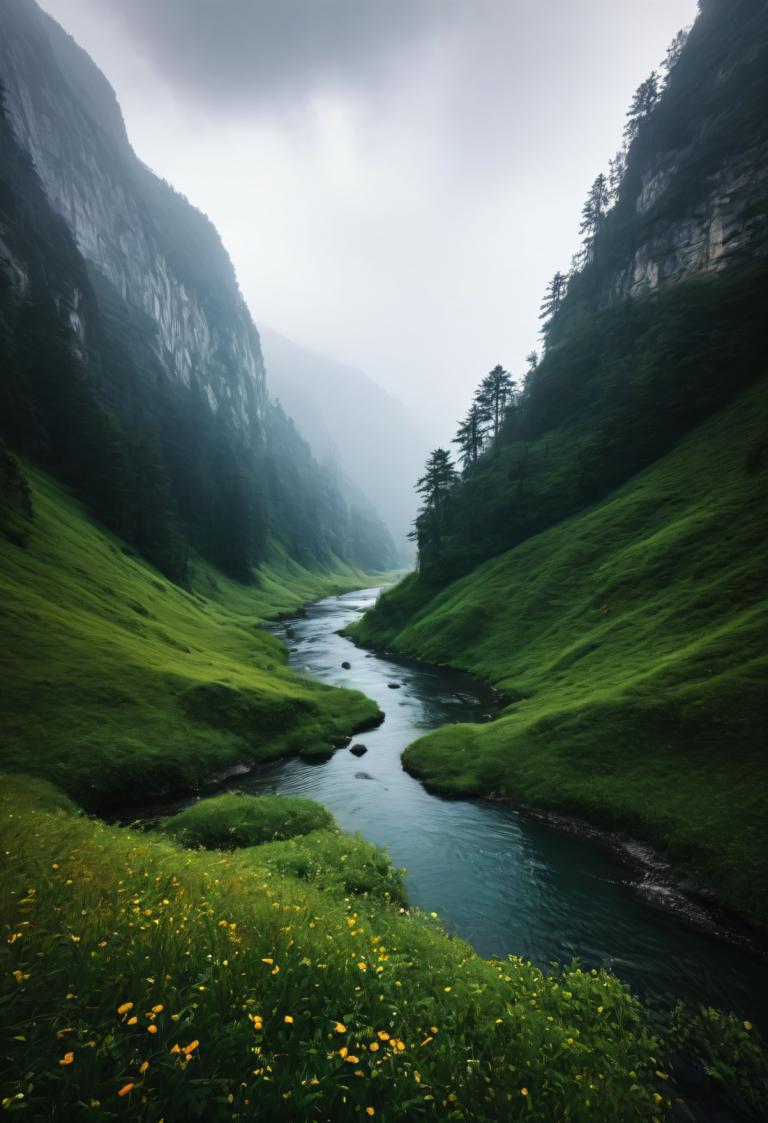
<point x="142" y="981"/>
<point x="629" y="643"/>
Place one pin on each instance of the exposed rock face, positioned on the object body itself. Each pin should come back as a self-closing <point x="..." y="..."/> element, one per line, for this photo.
<point x="148" y="241"/>
<point x="695" y="196"/>
<point x="712" y="231"/>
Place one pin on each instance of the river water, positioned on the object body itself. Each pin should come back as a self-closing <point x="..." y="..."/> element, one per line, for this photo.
<point x="505" y="883"/>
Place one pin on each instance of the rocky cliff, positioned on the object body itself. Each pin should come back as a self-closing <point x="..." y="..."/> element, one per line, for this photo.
<point x="694" y="196"/>
<point x="163" y="257"/>
<point x="130" y="366"/>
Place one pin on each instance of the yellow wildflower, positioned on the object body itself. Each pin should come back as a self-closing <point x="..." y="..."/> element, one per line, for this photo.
<point x="340" y="1027"/>
<point x="67" y="1059"/>
<point x="191" y="1047"/>
<point x="152" y="1029"/>
<point x="126" y="1088"/>
<point x="158" y="1009"/>
<point x="288" y="1020"/>
<point x="370" y="1111"/>
<point x="143" y="1067"/>
<point x="383" y="1035"/>
<point x="126" y="1006"/>
<point x="523" y="1091"/>
<point x="374" y="1046"/>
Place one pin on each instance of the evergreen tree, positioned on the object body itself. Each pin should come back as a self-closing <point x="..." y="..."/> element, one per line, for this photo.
<point x="594" y="210"/>
<point x="674" y="51"/>
<point x="493" y="395"/>
<point x="434" y="487"/>
<point x="617" y="168"/>
<point x="554" y="296"/>
<point x="642" y="106"/>
<point x="471" y="435"/>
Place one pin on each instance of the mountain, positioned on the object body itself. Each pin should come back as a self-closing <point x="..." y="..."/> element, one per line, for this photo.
<point x="142" y="299"/>
<point x="603" y="560"/>
<point x="348" y="419"/>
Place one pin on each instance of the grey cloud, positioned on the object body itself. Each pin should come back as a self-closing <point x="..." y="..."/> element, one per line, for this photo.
<point x="250" y="50"/>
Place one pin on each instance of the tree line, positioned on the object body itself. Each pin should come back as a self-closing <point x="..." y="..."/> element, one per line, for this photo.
<point x="496" y="413"/>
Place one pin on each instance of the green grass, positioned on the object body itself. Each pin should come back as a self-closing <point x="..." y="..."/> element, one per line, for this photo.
<point x="233" y="820"/>
<point x="139" y="980"/>
<point x="629" y="642"/>
<point x="118" y="684"/>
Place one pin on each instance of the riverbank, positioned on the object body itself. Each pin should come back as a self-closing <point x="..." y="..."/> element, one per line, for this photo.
<point x="628" y="644"/>
<point x="115" y="680"/>
<point x="147" y="980"/>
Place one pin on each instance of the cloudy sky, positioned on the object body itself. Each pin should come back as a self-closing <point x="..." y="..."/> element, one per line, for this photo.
<point x="395" y="180"/>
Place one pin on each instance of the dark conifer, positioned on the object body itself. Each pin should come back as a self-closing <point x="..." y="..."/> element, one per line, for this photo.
<point x="642" y="106"/>
<point x="471" y="435"/>
<point x="554" y="296"/>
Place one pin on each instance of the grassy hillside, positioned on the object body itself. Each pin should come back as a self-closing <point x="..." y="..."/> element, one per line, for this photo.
<point x="118" y="684"/>
<point x="142" y="981"/>
<point x="629" y="642"/>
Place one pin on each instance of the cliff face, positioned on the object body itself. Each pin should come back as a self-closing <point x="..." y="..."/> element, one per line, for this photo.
<point x="694" y="196"/>
<point x="148" y="242"/>
<point x="714" y="230"/>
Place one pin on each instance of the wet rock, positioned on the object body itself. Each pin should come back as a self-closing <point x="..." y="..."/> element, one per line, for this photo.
<point x="363" y="776"/>
<point x="346" y="666"/>
<point x="359" y="750"/>
<point x="393" y="685"/>
<point x="316" y="754"/>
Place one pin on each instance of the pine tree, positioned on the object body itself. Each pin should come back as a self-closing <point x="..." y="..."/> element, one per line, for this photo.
<point x="434" y="487"/>
<point x="643" y="105"/>
<point x="471" y="435"/>
<point x="492" y="397"/>
<point x="617" y="168"/>
<point x="554" y="296"/>
<point x="594" y="210"/>
<point x="674" y="51"/>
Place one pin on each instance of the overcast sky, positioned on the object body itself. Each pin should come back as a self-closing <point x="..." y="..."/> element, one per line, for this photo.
<point x="395" y="180"/>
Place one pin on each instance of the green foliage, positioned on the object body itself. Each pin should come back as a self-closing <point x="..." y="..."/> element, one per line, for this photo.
<point x="229" y="821"/>
<point x="629" y="644"/>
<point x="140" y="981"/>
<point x="331" y="860"/>
<point x="15" y="499"/>
<point x="118" y="684"/>
<point x="84" y="395"/>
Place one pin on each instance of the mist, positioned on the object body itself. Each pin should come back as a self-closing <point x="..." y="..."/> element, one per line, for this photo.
<point x="395" y="183"/>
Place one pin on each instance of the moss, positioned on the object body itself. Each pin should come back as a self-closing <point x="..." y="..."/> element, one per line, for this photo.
<point x="117" y="683"/>
<point x="629" y="642"/>
<point x="230" y="821"/>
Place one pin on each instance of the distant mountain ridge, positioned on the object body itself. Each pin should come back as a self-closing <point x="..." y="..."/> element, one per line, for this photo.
<point x="349" y="419"/>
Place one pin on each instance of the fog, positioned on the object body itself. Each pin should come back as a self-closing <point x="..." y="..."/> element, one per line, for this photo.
<point x="395" y="181"/>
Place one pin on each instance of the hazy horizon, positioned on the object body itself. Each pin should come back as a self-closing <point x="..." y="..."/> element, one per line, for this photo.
<point x="394" y="187"/>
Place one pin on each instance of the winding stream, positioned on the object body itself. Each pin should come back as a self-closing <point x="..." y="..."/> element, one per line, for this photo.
<point x="501" y="881"/>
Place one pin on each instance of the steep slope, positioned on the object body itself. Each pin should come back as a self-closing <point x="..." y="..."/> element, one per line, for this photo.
<point x="143" y="305"/>
<point x="348" y="419"/>
<point x="117" y="684"/>
<point x="628" y="644"/>
<point x="627" y="636"/>
<point x="163" y="257"/>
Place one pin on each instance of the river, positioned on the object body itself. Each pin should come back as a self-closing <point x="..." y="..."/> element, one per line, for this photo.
<point x="505" y="883"/>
